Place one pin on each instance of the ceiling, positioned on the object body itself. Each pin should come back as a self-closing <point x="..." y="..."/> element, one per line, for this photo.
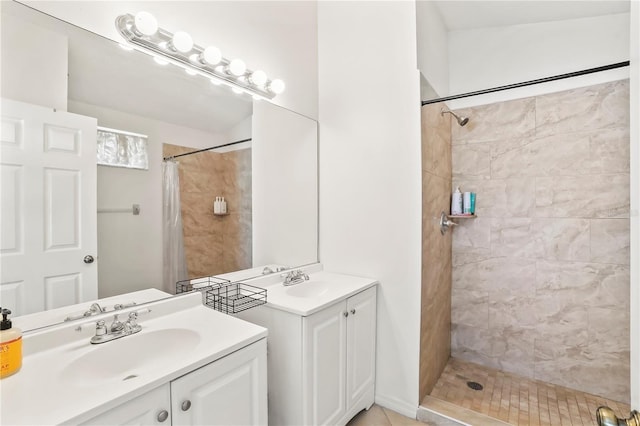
<point x="464" y="15"/>
<point x="103" y="74"/>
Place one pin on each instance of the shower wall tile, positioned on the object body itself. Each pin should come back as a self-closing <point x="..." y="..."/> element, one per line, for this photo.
<point x="496" y="121"/>
<point x="602" y="196"/>
<point x="595" y="107"/>
<point x="608" y="151"/>
<point x="549" y="156"/>
<point x="548" y="254"/>
<point x="501" y="197"/>
<point x="498" y="273"/>
<point x="610" y="241"/>
<point x="435" y="323"/>
<point x="472" y="239"/>
<point x="594" y="284"/>
<point x="473" y="161"/>
<point x="562" y="239"/>
<point x="215" y="244"/>
<point x="513" y="237"/>
<point x="470" y="307"/>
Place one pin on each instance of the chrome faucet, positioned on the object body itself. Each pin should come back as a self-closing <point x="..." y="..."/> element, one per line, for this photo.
<point x="117" y="329"/>
<point x="294" y="277"/>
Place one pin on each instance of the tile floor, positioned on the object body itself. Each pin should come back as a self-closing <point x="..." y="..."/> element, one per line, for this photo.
<point x="379" y="416"/>
<point x="518" y="400"/>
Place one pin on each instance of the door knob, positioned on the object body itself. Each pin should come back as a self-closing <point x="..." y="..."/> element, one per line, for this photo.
<point x="88" y="259"/>
<point x="186" y="405"/>
<point x="353" y="312"/>
<point x="163" y="415"/>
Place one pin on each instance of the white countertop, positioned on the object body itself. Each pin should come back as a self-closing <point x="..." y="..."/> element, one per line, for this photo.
<point x="42" y="392"/>
<point x="329" y="288"/>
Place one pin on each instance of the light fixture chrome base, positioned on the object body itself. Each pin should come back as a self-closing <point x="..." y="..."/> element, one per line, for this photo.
<point x="159" y="44"/>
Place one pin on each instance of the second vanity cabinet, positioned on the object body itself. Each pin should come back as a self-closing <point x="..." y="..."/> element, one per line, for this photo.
<point x="339" y="359"/>
<point x="229" y="391"/>
<point x="321" y="366"/>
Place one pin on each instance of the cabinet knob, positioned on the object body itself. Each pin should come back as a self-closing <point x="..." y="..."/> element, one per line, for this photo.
<point x="186" y="405"/>
<point x="346" y="314"/>
<point x="163" y="415"/>
<point x="353" y="312"/>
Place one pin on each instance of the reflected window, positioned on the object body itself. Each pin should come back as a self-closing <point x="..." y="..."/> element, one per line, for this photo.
<point x="122" y="149"/>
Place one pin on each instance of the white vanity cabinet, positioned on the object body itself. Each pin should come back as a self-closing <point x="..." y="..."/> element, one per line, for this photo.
<point x="229" y="391"/>
<point x="339" y="360"/>
<point x="321" y="365"/>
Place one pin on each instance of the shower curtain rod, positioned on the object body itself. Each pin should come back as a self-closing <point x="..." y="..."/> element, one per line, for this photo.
<point x="529" y="83"/>
<point x="206" y="149"/>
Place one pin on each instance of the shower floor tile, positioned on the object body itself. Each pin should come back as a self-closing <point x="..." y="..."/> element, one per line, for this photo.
<point x="517" y="400"/>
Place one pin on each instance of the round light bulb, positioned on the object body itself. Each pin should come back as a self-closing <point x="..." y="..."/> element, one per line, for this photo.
<point x="182" y="42"/>
<point x="258" y="77"/>
<point x="277" y="86"/>
<point x="211" y="55"/>
<point x="146" y="23"/>
<point x="237" y="67"/>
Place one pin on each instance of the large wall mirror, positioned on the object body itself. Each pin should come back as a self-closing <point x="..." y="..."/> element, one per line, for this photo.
<point x="269" y="183"/>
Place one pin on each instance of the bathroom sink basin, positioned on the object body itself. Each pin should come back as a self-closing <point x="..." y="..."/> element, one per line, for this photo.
<point x="311" y="288"/>
<point x="129" y="357"/>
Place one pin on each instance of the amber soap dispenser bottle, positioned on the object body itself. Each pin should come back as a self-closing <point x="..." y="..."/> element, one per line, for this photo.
<point x="10" y="346"/>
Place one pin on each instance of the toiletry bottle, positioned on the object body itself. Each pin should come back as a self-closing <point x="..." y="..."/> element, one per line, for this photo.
<point x="223" y="206"/>
<point x="10" y="346"/>
<point x="473" y="203"/>
<point x="216" y="206"/>
<point x="466" y="203"/>
<point x="456" y="202"/>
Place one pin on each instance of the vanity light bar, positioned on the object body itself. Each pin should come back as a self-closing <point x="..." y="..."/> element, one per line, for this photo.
<point x="143" y="33"/>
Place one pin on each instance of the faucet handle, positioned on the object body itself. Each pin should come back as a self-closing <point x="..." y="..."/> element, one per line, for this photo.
<point x="101" y="328"/>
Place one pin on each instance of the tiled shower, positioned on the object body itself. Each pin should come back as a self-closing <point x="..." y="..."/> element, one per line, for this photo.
<point x="215" y="244"/>
<point x="539" y="282"/>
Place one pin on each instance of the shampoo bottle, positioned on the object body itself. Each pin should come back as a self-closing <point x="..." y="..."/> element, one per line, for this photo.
<point x="10" y="346"/>
<point x="456" y="202"/>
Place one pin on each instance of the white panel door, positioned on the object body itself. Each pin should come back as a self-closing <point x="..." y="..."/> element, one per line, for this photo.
<point x="361" y="348"/>
<point x="48" y="211"/>
<point x="230" y="391"/>
<point x="324" y="365"/>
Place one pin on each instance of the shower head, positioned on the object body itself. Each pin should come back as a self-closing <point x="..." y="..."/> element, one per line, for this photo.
<point x="461" y="120"/>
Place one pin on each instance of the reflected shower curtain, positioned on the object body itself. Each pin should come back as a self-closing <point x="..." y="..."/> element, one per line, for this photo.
<point x="174" y="261"/>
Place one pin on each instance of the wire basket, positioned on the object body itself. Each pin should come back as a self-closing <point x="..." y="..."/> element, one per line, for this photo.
<point x="201" y="284"/>
<point x="223" y="295"/>
<point x="235" y="297"/>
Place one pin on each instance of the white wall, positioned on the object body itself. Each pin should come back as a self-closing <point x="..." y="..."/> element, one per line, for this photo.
<point x="490" y="57"/>
<point x="130" y="247"/>
<point x="433" y="42"/>
<point x="34" y="63"/>
<point x="370" y="179"/>
<point x="635" y="205"/>
<point x="278" y="37"/>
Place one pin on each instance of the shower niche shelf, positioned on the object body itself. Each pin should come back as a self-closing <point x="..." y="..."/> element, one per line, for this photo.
<point x="461" y="216"/>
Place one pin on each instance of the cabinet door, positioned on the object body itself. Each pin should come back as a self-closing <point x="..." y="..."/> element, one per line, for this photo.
<point x="324" y="365"/>
<point x="147" y="409"/>
<point x="361" y="348"/>
<point x="230" y="391"/>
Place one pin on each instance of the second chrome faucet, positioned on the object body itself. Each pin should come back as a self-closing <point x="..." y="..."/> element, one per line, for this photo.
<point x="117" y="329"/>
<point x="295" y="277"/>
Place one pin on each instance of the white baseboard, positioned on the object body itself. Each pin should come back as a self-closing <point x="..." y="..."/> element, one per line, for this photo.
<point x="402" y="407"/>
